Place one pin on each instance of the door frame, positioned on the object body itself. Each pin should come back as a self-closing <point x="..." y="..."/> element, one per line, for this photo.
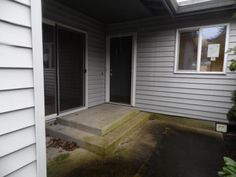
<point x="134" y="64"/>
<point x="73" y="110"/>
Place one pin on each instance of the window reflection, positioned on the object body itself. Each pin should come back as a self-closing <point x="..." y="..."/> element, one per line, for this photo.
<point x="188" y="50"/>
<point x="213" y="48"/>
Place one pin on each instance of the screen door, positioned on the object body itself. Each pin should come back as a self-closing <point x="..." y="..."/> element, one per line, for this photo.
<point x="71" y="55"/>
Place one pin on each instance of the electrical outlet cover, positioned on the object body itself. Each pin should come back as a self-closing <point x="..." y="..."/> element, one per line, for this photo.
<point x="221" y="128"/>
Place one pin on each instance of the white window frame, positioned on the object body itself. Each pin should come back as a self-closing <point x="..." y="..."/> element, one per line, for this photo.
<point x="197" y="71"/>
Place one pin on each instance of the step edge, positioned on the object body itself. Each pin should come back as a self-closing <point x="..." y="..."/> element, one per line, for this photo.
<point x="81" y="127"/>
<point x="129" y="132"/>
<point x="118" y="123"/>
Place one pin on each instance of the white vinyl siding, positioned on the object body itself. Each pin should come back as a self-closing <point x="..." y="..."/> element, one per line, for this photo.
<point x="16" y="35"/>
<point x="96" y="45"/>
<point x="17" y="110"/>
<point x="159" y="89"/>
<point x="15" y="57"/>
<point x="20" y="16"/>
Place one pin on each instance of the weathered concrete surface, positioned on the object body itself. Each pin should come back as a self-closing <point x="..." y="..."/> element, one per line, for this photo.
<point x="158" y="149"/>
<point x="94" y="143"/>
<point x="183" y="152"/>
<point x="100" y="119"/>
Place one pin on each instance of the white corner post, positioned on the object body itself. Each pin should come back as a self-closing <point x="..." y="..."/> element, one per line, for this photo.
<point x="36" y="23"/>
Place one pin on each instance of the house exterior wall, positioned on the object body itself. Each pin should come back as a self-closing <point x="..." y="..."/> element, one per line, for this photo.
<point x="159" y="89"/>
<point x="96" y="45"/>
<point x="21" y="109"/>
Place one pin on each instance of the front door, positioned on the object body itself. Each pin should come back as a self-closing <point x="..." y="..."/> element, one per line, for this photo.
<point x="120" y="69"/>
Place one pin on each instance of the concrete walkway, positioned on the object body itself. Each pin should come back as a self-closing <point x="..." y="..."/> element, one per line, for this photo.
<point x="158" y="149"/>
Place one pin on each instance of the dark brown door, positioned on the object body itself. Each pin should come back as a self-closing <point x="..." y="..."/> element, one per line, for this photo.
<point x="120" y="69"/>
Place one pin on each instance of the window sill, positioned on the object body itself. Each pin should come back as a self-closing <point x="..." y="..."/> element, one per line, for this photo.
<point x="200" y="73"/>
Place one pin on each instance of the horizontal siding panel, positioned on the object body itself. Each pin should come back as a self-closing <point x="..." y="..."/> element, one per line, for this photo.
<point x="16" y="99"/>
<point x="156" y="49"/>
<point x="18" y="120"/>
<point x="157" y="33"/>
<point x="16" y="78"/>
<point x="15" y="35"/>
<point x="156" y="38"/>
<point x="231" y="75"/>
<point x="154" y="69"/>
<point x="158" y="54"/>
<point x="184" y="106"/>
<point x="157" y="64"/>
<point x="19" y="14"/>
<point x="232" y="39"/>
<point x="182" y="112"/>
<point x="95" y="103"/>
<point x="154" y="59"/>
<point x="96" y="99"/>
<point x="187" y="90"/>
<point x="17" y="160"/>
<point x="145" y="45"/>
<point x="193" y="102"/>
<point x="28" y="170"/>
<point x="192" y="96"/>
<point x="16" y="140"/>
<point x="188" y="85"/>
<point x="14" y="57"/>
<point x="188" y="80"/>
<point x="96" y="91"/>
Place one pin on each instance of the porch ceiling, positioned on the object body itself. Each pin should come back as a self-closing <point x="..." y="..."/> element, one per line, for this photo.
<point x="112" y="11"/>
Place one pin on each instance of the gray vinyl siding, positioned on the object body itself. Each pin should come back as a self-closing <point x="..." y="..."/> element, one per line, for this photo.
<point x="17" y="113"/>
<point x="96" y="45"/>
<point x="159" y="89"/>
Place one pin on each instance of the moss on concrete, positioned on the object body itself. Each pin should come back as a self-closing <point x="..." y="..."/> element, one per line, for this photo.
<point x="184" y="121"/>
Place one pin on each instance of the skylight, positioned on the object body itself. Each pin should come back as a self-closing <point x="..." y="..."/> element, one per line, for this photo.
<point x="190" y="2"/>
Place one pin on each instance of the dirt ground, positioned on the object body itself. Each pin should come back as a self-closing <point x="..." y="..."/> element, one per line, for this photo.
<point x="158" y="149"/>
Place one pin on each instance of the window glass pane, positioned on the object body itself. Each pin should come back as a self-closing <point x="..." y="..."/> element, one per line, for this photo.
<point x="188" y="50"/>
<point x="213" y="48"/>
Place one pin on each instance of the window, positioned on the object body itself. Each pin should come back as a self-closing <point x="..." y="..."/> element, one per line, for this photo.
<point x="201" y="50"/>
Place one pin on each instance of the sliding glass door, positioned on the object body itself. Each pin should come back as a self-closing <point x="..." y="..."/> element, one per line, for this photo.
<point x="71" y="54"/>
<point x="64" y="69"/>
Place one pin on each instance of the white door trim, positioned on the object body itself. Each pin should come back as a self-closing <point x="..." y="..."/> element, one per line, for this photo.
<point x="134" y="64"/>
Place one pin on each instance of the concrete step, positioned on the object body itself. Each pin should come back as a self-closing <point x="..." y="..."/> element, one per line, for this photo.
<point x="95" y="143"/>
<point x="95" y="122"/>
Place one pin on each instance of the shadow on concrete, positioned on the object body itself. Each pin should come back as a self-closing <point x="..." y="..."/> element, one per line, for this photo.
<point x="186" y="154"/>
